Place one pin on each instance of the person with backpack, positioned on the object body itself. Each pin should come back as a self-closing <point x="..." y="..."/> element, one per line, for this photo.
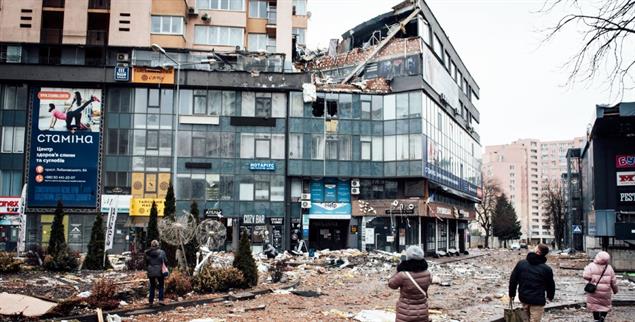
<point x="412" y="279"/>
<point x="156" y="263"/>
<point x="533" y="278"/>
<point x="602" y="283"/>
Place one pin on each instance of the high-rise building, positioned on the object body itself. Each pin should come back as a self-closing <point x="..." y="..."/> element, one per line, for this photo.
<point x="521" y="169"/>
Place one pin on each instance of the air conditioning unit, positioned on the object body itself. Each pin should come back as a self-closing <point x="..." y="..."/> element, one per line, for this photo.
<point x="355" y="183"/>
<point x="305" y="196"/>
<point x="206" y="18"/>
<point x="192" y="11"/>
<point x="443" y="100"/>
<point x="355" y="191"/>
<point x="306" y="204"/>
<point x="123" y="57"/>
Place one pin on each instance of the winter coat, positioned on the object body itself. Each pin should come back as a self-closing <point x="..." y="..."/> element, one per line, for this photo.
<point x="155" y="257"/>
<point x="412" y="304"/>
<point x="600" y="300"/>
<point x="533" y="278"/>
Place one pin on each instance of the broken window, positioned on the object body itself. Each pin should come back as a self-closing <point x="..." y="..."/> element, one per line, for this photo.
<point x="318" y="107"/>
<point x="331" y="108"/>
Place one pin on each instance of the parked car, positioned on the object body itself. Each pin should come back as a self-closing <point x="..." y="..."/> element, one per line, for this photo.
<point x="515" y="246"/>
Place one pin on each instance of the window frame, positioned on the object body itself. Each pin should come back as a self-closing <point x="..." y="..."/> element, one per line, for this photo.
<point x="162" y="19"/>
<point x="13" y="145"/>
<point x="217" y="30"/>
<point x="257" y="11"/>
<point x="219" y="5"/>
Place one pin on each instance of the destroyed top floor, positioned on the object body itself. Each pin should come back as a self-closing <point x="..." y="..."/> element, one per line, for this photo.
<point x="398" y="51"/>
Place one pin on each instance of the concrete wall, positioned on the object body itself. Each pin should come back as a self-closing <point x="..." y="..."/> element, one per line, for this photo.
<point x="284" y="28"/>
<point x="10" y="20"/>
<point x="139" y="23"/>
<point x="75" y="22"/>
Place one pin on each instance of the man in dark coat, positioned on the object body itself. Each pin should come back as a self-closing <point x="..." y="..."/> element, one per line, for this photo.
<point x="413" y="295"/>
<point x="155" y="258"/>
<point x="533" y="278"/>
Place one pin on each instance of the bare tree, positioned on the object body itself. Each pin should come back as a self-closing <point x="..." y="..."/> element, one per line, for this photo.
<point x="553" y="205"/>
<point x="608" y="40"/>
<point x="484" y="211"/>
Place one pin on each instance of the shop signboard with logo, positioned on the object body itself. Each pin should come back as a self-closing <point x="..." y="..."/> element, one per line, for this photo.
<point x="625" y="161"/>
<point x="625" y="178"/>
<point x="152" y="75"/>
<point x="330" y="196"/>
<point x="122" y="202"/>
<point x="9" y="205"/>
<point x="64" y="157"/>
<point x="141" y="206"/>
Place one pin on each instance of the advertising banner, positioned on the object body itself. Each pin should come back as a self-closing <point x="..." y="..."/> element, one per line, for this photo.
<point x="626" y="178"/>
<point x="141" y="206"/>
<point x="9" y="205"/>
<point x="122" y="202"/>
<point x="64" y="150"/>
<point x="110" y="227"/>
<point x="152" y="75"/>
<point x="625" y="161"/>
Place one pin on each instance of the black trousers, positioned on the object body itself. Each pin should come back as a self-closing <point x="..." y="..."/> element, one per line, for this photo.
<point x="153" y="286"/>
<point x="76" y="115"/>
<point x="599" y="316"/>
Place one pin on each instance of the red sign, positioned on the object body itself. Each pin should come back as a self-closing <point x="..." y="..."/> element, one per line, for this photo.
<point x="625" y="161"/>
<point x="9" y="205"/>
<point x="51" y="95"/>
<point x="626" y="178"/>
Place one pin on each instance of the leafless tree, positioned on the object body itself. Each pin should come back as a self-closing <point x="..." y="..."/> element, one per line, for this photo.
<point x="608" y="40"/>
<point x="553" y="205"/>
<point x="484" y="211"/>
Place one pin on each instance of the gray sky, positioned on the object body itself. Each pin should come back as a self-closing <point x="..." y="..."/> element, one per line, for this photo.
<point x="522" y="81"/>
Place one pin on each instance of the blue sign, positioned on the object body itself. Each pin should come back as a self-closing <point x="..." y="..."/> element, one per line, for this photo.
<point x="64" y="155"/>
<point x="262" y="166"/>
<point x="317" y="191"/>
<point x="577" y="229"/>
<point x="330" y="208"/>
<point x="343" y="191"/>
<point x="122" y="73"/>
<point x="330" y="190"/>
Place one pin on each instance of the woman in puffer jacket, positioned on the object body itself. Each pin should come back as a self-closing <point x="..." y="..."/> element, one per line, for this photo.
<point x="599" y="302"/>
<point x="412" y="279"/>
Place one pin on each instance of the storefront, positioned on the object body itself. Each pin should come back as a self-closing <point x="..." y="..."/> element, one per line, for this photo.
<point x="328" y="221"/>
<point x="9" y="223"/>
<point x="389" y="225"/>
<point x="123" y="234"/>
<point x="261" y="231"/>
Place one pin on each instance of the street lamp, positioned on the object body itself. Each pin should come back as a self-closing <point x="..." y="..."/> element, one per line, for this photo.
<point x="159" y="49"/>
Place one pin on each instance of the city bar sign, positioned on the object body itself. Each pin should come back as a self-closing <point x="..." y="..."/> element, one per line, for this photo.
<point x="625" y="161"/>
<point x="153" y="75"/>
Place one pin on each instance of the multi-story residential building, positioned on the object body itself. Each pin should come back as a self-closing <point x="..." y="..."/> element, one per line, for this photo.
<point x="387" y="157"/>
<point x="521" y="169"/>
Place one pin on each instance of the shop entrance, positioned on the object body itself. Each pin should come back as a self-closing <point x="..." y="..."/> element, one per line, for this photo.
<point x="328" y="234"/>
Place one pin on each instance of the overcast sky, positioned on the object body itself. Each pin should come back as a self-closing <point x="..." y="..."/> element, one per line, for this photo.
<point x="522" y="81"/>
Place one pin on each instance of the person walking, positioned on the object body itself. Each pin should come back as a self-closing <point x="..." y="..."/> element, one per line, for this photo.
<point x="155" y="259"/>
<point x="412" y="279"/>
<point x="601" y="274"/>
<point x="533" y="278"/>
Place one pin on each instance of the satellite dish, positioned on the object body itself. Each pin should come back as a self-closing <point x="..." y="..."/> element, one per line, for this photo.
<point x="211" y="234"/>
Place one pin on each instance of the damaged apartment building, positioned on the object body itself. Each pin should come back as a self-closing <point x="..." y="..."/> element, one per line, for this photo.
<point x="386" y="154"/>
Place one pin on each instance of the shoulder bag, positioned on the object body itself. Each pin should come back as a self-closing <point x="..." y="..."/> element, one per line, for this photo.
<point x="590" y="287"/>
<point x="416" y="285"/>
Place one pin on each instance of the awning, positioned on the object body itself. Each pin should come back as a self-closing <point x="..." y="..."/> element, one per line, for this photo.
<point x="140" y="222"/>
<point x="330" y="216"/>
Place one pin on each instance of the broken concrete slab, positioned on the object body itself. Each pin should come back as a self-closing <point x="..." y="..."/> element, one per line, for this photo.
<point x="17" y="304"/>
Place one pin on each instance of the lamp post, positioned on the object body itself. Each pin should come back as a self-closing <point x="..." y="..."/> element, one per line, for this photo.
<point x="157" y="48"/>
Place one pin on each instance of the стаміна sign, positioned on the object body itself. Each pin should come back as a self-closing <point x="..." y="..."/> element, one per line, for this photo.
<point x="64" y="155"/>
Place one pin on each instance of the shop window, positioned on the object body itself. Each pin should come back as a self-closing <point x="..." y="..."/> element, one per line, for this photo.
<point x="430" y="234"/>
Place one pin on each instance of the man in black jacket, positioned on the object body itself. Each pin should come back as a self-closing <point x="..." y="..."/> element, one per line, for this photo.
<point x="533" y="278"/>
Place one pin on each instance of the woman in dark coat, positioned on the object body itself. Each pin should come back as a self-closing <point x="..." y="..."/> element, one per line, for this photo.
<point x="155" y="258"/>
<point x="413" y="298"/>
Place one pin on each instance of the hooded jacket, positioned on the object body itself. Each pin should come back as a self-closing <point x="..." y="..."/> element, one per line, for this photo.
<point x="412" y="304"/>
<point x="600" y="300"/>
<point x="155" y="258"/>
<point x="533" y="278"/>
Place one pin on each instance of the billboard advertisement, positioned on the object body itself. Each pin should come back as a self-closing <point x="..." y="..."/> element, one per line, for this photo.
<point x="64" y="148"/>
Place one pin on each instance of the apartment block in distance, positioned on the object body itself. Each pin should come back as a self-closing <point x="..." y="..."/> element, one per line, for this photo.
<point x="521" y="168"/>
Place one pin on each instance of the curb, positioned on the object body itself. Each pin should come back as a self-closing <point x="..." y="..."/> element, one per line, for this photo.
<point x="92" y="317"/>
<point x="576" y="305"/>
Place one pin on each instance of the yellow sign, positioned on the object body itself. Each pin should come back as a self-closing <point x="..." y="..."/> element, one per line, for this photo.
<point x="153" y="75"/>
<point x="142" y="206"/>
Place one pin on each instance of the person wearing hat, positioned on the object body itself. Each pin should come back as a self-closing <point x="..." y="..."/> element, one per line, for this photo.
<point x="412" y="279"/>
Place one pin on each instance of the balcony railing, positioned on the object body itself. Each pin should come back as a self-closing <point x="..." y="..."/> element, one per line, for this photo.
<point x="98" y="4"/>
<point x="96" y="37"/>
<point x="53" y="3"/>
<point x="51" y="36"/>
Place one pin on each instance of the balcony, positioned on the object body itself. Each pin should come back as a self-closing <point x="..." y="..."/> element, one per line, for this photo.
<point x="272" y="18"/>
<point x="98" y="4"/>
<point x="96" y="37"/>
<point x="53" y="3"/>
<point x="51" y="36"/>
